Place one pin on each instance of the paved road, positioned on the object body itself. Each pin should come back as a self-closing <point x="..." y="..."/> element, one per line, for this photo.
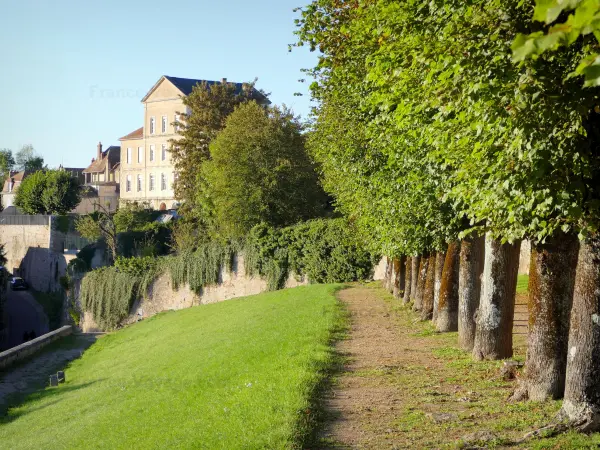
<point x="24" y="315"/>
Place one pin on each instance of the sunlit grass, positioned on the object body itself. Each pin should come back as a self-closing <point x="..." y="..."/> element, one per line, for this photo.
<point x="237" y="374"/>
<point x="522" y="282"/>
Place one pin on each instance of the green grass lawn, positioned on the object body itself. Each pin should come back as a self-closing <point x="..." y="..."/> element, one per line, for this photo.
<point x="522" y="282"/>
<point x="237" y="374"/>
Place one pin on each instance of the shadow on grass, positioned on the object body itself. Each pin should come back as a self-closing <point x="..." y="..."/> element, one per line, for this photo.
<point x="311" y="421"/>
<point x="35" y="385"/>
<point x="11" y="415"/>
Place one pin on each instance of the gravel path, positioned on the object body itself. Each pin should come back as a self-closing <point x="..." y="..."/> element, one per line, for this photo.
<point x="18" y="381"/>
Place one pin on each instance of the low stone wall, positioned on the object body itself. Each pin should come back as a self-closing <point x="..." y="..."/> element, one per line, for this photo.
<point x="379" y="272"/>
<point x="162" y="296"/>
<point x="20" y="352"/>
<point x="524" y="258"/>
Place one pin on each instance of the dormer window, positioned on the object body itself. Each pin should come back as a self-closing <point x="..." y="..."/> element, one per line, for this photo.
<point x="152" y="125"/>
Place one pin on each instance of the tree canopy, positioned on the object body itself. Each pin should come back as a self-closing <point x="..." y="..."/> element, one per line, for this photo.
<point x="7" y="163"/>
<point x="583" y="20"/>
<point x="27" y="159"/>
<point x="259" y="171"/>
<point x="208" y="106"/>
<point x="426" y="128"/>
<point x="48" y="192"/>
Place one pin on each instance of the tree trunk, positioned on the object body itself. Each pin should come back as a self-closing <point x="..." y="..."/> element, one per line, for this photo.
<point x="440" y="257"/>
<point x="428" y="291"/>
<point x="551" y="284"/>
<point x="421" y="282"/>
<point x="469" y="289"/>
<point x="399" y="276"/>
<point x="414" y="280"/>
<point x="494" y="323"/>
<point x="447" y="315"/>
<point x="581" y="404"/>
<point x="387" y="279"/>
<point x="408" y="278"/>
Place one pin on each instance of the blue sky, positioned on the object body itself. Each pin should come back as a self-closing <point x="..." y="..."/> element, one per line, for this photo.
<point x="73" y="72"/>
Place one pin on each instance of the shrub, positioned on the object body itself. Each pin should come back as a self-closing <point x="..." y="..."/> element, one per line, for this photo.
<point x="108" y="294"/>
<point x="201" y="267"/>
<point x="324" y="250"/>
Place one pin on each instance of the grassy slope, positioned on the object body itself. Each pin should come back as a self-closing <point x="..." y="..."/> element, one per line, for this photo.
<point x="522" y="282"/>
<point x="237" y="374"/>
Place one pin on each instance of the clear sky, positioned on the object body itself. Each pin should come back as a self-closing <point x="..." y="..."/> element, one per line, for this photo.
<point x="73" y="72"/>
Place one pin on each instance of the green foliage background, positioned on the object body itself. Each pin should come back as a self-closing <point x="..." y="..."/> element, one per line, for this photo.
<point x="259" y="171"/>
<point x="323" y="250"/>
<point x="48" y="192"/>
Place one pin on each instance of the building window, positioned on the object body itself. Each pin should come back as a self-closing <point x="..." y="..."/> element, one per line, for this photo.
<point x="128" y="183"/>
<point x="151" y="182"/>
<point x="140" y="154"/>
<point x="164" y="124"/>
<point x="128" y="155"/>
<point x="152" y="125"/>
<point x="175" y="178"/>
<point x="176" y="120"/>
<point x="163" y="182"/>
<point x="139" y="183"/>
<point x="152" y="153"/>
<point x="163" y="152"/>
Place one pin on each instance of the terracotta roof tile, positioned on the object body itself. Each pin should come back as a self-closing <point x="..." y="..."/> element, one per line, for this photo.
<point x="137" y="134"/>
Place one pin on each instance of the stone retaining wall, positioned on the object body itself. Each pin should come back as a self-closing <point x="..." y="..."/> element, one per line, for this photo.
<point x="162" y="296"/>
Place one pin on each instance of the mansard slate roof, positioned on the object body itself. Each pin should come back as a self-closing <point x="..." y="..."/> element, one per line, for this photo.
<point x="137" y="134"/>
<point x="110" y="156"/>
<point x="185" y="85"/>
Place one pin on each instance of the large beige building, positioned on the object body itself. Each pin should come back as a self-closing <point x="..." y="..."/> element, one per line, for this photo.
<point x="147" y="172"/>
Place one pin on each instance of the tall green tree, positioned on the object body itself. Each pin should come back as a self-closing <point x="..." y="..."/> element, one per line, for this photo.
<point x="48" y="192"/>
<point x="27" y="159"/>
<point x="209" y="105"/>
<point x="7" y="163"/>
<point x="259" y="171"/>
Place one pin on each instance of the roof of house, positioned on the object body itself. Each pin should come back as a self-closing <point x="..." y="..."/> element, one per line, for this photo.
<point x="110" y="156"/>
<point x="18" y="177"/>
<point x="137" y="134"/>
<point x="186" y="85"/>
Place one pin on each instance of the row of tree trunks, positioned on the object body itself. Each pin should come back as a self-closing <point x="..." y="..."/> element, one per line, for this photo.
<point x="469" y="289"/>
<point x="422" y="277"/>
<point x="408" y="277"/>
<point x="440" y="258"/>
<point x="551" y="283"/>
<point x="447" y="315"/>
<point x="494" y="323"/>
<point x="429" y="289"/>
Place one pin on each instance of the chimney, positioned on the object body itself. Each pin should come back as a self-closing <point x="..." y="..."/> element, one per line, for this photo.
<point x="99" y="151"/>
<point x="224" y="80"/>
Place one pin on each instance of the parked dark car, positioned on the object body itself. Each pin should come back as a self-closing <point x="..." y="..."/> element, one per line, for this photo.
<point x="17" y="283"/>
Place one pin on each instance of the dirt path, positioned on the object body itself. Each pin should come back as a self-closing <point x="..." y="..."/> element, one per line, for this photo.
<point x="19" y="381"/>
<point x="404" y="386"/>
